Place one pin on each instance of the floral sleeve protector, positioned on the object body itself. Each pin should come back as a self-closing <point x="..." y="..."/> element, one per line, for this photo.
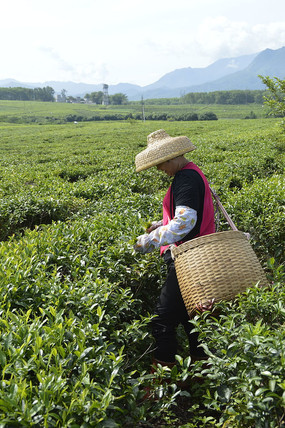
<point x="183" y="222"/>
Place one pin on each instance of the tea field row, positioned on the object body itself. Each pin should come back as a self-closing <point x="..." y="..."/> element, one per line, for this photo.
<point x="46" y="112"/>
<point x="75" y="299"/>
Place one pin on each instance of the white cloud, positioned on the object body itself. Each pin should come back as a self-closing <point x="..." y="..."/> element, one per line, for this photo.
<point x="134" y="41"/>
<point x="219" y="37"/>
<point x="88" y="72"/>
<point x="271" y="35"/>
<point x="60" y="62"/>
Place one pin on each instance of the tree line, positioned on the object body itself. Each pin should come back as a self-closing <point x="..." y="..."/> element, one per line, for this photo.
<point x="275" y="89"/>
<point x="224" y="97"/>
<point x="216" y="97"/>
<point x="27" y="94"/>
<point x="116" y="99"/>
<point x="275" y="97"/>
<point x="47" y="94"/>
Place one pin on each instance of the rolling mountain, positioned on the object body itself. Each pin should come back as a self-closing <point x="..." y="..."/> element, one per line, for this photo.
<point x="268" y="63"/>
<point x="225" y="74"/>
<point x="12" y="83"/>
<point x="195" y="76"/>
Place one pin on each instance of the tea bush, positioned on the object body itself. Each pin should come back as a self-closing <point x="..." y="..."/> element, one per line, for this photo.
<point x="75" y="299"/>
<point x="245" y="371"/>
<point x="138" y="116"/>
<point x="259" y="210"/>
<point x="73" y="334"/>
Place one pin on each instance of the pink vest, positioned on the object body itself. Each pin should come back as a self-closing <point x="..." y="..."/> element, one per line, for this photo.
<point x="208" y="222"/>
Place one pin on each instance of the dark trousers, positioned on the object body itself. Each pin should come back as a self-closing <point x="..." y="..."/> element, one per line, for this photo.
<point x="170" y="311"/>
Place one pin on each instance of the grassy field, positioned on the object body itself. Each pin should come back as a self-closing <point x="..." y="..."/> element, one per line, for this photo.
<point x="75" y="299"/>
<point x="42" y="112"/>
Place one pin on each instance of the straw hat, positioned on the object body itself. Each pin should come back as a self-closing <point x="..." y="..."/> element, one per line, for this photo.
<point x="160" y="148"/>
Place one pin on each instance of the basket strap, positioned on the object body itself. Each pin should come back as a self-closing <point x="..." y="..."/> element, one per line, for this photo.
<point x="223" y="210"/>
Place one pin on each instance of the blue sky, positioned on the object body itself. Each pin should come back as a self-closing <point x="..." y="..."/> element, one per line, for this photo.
<point x="113" y="41"/>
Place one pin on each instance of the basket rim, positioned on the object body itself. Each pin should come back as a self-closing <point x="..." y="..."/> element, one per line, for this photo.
<point x="206" y="239"/>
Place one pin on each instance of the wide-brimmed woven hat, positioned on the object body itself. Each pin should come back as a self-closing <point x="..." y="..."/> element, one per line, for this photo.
<point x="160" y="148"/>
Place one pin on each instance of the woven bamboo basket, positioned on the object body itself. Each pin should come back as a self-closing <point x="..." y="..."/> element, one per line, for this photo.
<point x="217" y="266"/>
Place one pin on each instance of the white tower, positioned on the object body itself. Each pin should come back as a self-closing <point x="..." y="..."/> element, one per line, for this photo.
<point x="105" y="101"/>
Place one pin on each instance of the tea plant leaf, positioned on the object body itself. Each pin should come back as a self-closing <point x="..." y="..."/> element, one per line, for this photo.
<point x="76" y="299"/>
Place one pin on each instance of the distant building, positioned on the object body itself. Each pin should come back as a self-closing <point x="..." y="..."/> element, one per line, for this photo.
<point x="60" y="99"/>
<point x="105" y="101"/>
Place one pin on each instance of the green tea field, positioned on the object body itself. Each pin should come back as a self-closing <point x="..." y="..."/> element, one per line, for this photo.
<point x="76" y="300"/>
<point x="54" y="113"/>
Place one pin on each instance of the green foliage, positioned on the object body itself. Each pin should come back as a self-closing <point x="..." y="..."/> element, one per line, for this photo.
<point x="208" y="116"/>
<point x="234" y="97"/>
<point x="252" y="115"/>
<point x="75" y="299"/>
<point x="224" y="97"/>
<point x="27" y="211"/>
<point x="138" y="116"/>
<point x="246" y="368"/>
<point x="44" y="94"/>
<point x="276" y="97"/>
<point x="28" y="111"/>
<point x="118" y="99"/>
<point x="95" y="97"/>
<point x="25" y="94"/>
<point x="60" y="368"/>
<point x="264" y="215"/>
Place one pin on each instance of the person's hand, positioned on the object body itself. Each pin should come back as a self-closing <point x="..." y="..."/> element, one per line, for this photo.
<point x="154" y="225"/>
<point x="206" y="306"/>
<point x="143" y="245"/>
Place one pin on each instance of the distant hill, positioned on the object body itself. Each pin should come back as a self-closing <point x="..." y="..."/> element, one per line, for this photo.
<point x="185" y="77"/>
<point x="268" y="63"/>
<point x="225" y="74"/>
<point x="72" y="88"/>
<point x="12" y="83"/>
